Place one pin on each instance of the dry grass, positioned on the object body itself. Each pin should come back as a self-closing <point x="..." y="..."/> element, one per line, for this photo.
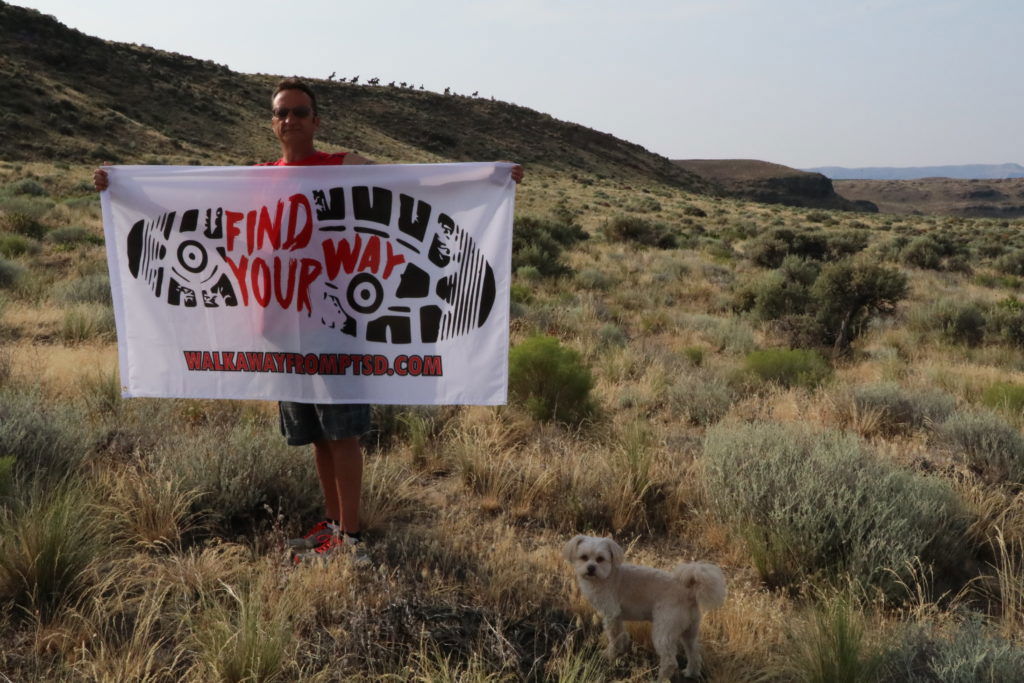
<point x="466" y="509"/>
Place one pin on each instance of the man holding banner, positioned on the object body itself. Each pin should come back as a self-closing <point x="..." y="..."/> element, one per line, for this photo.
<point x="410" y="277"/>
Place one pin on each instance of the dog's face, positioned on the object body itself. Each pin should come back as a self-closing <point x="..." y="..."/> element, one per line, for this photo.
<point x="592" y="558"/>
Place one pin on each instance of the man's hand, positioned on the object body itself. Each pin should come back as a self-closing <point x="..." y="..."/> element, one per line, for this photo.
<point x="100" y="178"/>
<point x="517" y="173"/>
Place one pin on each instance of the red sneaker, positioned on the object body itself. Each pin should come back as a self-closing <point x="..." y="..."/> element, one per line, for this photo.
<point x="334" y="543"/>
<point x="321" y="532"/>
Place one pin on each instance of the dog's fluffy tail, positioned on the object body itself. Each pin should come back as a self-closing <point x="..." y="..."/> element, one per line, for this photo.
<point x="706" y="581"/>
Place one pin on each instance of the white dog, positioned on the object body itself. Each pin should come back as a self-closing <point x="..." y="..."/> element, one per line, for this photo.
<point x="671" y="601"/>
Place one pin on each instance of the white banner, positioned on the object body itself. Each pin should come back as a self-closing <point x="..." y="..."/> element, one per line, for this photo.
<point x="380" y="284"/>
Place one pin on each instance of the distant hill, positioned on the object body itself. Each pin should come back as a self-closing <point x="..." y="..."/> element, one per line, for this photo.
<point x="79" y="99"/>
<point x="770" y="183"/>
<point x="967" y="172"/>
<point x="1002" y="198"/>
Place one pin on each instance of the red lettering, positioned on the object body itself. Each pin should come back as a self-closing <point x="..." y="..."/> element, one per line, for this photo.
<point x="298" y="240"/>
<point x="311" y="364"/>
<point x="380" y="365"/>
<point x="232" y="218"/>
<point x="239" y="270"/>
<point x="345" y="361"/>
<point x="268" y="230"/>
<point x="228" y="358"/>
<point x="207" y="361"/>
<point x="328" y="364"/>
<point x="415" y="365"/>
<point x="432" y="366"/>
<point x="193" y="360"/>
<point x="341" y="255"/>
<point x="217" y="364"/>
<point x="250" y="231"/>
<point x="280" y="358"/>
<point x="307" y="274"/>
<point x="242" y="362"/>
<point x="284" y="299"/>
<point x="400" y="364"/>
<point x="255" y="360"/>
<point x="371" y="256"/>
<point x="392" y="260"/>
<point x="268" y="363"/>
<point x="261" y="292"/>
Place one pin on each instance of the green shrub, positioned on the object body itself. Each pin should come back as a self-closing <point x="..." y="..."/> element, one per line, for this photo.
<point x="849" y="293"/>
<point x="72" y="234"/>
<point x="592" y="278"/>
<point x="539" y="243"/>
<point x="702" y="397"/>
<point x="821" y="507"/>
<point x="17" y="245"/>
<point x="550" y="380"/>
<point x="789" y="367"/>
<point x="833" y="646"/>
<point x="10" y="273"/>
<point x="771" y="248"/>
<point x="44" y="440"/>
<point x="611" y="335"/>
<point x="86" y="322"/>
<point x="1004" y="321"/>
<point x="1005" y="396"/>
<point x="27" y="186"/>
<point x="91" y="289"/>
<point x="1011" y="263"/>
<point x="957" y="322"/>
<point x="970" y="653"/>
<point x="46" y="545"/>
<point x="639" y="230"/>
<point x="985" y="443"/>
<point x="899" y="410"/>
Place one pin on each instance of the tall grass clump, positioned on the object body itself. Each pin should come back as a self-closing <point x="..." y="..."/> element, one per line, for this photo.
<point x="87" y="322"/>
<point x="832" y="647"/>
<point x="550" y="380"/>
<point x="47" y="543"/>
<point x="985" y="443"/>
<point x="821" y="507"/>
<point x="243" y="636"/>
<point x="91" y="289"/>
<point x="638" y="230"/>
<point x="789" y="367"/>
<point x="539" y="243"/>
<point x="889" y="409"/>
<point x="45" y="440"/>
<point x="17" y="245"/>
<point x="1005" y="396"/>
<point x="10" y="273"/>
<point x="71" y="235"/>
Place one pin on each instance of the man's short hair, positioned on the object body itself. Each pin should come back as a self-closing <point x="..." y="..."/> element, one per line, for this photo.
<point x="295" y="84"/>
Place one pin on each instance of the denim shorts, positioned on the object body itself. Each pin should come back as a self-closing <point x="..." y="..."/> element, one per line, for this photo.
<point x="304" y="423"/>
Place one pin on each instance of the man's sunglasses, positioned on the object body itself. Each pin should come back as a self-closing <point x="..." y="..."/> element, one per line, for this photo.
<point x="299" y="112"/>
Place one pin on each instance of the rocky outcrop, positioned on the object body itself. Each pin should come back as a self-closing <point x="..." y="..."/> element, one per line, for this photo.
<point x="761" y="181"/>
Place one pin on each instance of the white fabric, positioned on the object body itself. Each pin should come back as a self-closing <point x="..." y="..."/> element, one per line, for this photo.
<point x="351" y="284"/>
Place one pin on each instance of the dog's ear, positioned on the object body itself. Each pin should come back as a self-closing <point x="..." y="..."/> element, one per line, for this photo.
<point x="616" y="551"/>
<point x="569" y="551"/>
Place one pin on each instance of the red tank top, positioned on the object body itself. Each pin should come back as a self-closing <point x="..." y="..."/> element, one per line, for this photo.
<point x="314" y="159"/>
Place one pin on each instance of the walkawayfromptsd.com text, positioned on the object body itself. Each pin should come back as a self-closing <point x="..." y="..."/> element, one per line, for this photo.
<point x="313" y="364"/>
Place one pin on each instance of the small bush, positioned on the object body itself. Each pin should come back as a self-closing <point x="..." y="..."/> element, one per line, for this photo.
<point x="550" y="380"/>
<point x="72" y="234"/>
<point x="592" y="278"/>
<point x="1004" y="322"/>
<point x="10" y="273"/>
<point x="985" y="443"/>
<point x="895" y="410"/>
<point x="849" y="293"/>
<point x="22" y="224"/>
<point x="956" y="322"/>
<point x="1005" y="396"/>
<point x="1011" y="263"/>
<point x="821" y="507"/>
<point x="46" y="545"/>
<point x="91" y="289"/>
<point x="789" y="367"/>
<point x="27" y="186"/>
<point x="611" y="335"/>
<point x="702" y="397"/>
<point x="639" y="231"/>
<point x="833" y="646"/>
<point x="17" y="245"/>
<point x="539" y="243"/>
<point x="44" y="440"/>
<point x="86" y="322"/>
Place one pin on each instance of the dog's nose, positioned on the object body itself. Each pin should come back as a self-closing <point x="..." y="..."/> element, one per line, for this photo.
<point x="591" y="568"/>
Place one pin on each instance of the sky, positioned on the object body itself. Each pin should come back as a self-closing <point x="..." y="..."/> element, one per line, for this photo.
<point x="799" y="82"/>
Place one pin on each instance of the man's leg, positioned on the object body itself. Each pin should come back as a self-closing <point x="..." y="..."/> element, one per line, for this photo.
<point x="339" y="464"/>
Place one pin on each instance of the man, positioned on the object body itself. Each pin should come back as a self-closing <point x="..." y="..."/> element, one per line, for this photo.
<point x="333" y="430"/>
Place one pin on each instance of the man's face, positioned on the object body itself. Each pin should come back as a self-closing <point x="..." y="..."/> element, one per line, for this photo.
<point x="294" y="129"/>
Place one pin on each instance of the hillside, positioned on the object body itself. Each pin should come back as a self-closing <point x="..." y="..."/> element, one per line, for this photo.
<point x="769" y="183"/>
<point x="963" y="172"/>
<point x="940" y="196"/>
<point x="83" y="100"/>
